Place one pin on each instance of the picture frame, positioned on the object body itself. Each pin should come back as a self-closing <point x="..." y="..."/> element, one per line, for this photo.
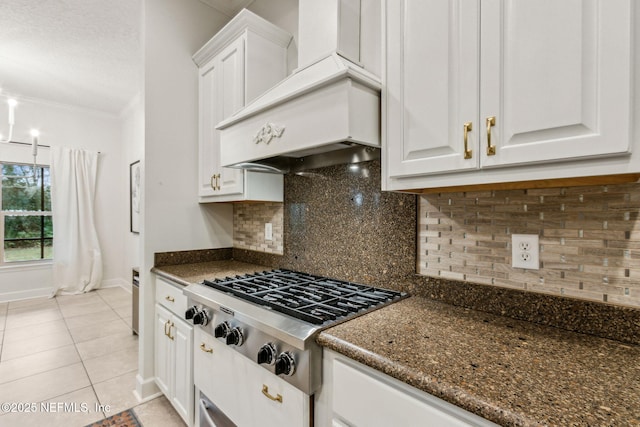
<point x="134" y="196"/>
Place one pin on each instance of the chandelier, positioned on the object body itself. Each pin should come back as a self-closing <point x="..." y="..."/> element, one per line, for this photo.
<point x="35" y="134"/>
<point x="12" y="118"/>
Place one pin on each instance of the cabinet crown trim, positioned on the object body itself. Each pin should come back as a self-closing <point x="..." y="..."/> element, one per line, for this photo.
<point x="244" y="21"/>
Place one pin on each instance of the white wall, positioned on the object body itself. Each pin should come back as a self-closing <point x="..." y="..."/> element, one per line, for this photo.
<point x="132" y="150"/>
<point x="284" y="14"/>
<point x="172" y="218"/>
<point x="62" y="125"/>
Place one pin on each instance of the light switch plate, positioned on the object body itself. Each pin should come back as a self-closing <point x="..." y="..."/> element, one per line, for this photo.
<point x="525" y="251"/>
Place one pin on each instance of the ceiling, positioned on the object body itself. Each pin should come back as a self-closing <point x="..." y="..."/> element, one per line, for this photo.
<point x="85" y="53"/>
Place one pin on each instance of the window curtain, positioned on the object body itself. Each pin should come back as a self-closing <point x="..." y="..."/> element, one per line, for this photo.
<point x="77" y="260"/>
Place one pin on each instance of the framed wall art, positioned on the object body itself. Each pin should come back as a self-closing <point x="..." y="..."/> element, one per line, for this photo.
<point x="134" y="196"/>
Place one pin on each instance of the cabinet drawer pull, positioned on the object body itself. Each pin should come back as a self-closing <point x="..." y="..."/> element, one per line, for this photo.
<point x="467" y="128"/>
<point x="205" y="349"/>
<point x="265" y="391"/>
<point x="491" y="149"/>
<point x="213" y="186"/>
<point x="218" y="181"/>
<point x="169" y="334"/>
<point x="166" y="325"/>
<point x="170" y="298"/>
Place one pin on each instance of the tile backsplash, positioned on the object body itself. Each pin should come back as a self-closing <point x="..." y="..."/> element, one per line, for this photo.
<point x="336" y="222"/>
<point x="589" y="240"/>
<point x="248" y="226"/>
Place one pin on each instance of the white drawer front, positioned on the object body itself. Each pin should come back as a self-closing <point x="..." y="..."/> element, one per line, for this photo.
<point x="355" y="390"/>
<point x="171" y="296"/>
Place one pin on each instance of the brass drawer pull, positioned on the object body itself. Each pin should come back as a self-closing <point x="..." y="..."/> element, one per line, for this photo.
<point x="218" y="182"/>
<point x="169" y="334"/>
<point x="205" y="349"/>
<point x="491" y="149"/>
<point x="467" y="128"/>
<point x="166" y="325"/>
<point x="265" y="391"/>
<point x="211" y="181"/>
<point x="170" y="298"/>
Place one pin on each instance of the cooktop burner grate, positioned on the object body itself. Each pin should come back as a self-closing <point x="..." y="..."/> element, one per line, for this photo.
<point x="314" y="299"/>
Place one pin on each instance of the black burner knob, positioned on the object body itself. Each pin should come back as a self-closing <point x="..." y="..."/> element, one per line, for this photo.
<point x="201" y="318"/>
<point x="285" y="365"/>
<point x="267" y="354"/>
<point x="190" y="312"/>
<point x="222" y="330"/>
<point x="235" y="337"/>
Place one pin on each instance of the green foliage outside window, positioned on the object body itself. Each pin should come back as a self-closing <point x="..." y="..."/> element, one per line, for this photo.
<point x="26" y="213"/>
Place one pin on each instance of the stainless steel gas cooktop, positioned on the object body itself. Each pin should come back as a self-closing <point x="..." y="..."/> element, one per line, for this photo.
<point x="314" y="299"/>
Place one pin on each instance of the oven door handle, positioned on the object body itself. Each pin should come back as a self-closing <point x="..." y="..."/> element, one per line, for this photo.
<point x="204" y="415"/>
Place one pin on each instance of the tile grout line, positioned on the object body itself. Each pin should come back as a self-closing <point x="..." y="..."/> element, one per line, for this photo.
<point x="75" y="345"/>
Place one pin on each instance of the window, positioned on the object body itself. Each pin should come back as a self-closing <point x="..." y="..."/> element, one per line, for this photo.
<point x="25" y="218"/>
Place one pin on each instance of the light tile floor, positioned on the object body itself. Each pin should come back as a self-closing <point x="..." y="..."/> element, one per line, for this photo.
<point x="68" y="358"/>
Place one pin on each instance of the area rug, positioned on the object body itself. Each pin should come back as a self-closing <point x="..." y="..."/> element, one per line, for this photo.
<point x="123" y="419"/>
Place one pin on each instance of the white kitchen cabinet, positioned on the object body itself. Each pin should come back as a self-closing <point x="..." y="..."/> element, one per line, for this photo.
<point x="354" y="395"/>
<point x="242" y="61"/>
<point x="174" y="354"/>
<point x="493" y="91"/>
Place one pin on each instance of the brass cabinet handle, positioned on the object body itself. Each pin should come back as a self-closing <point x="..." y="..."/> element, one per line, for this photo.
<point x="491" y="149"/>
<point x="165" y="327"/>
<point x="205" y="349"/>
<point x="169" y="334"/>
<point x="467" y="128"/>
<point x="214" y="182"/>
<point x="265" y="391"/>
<point x="170" y="298"/>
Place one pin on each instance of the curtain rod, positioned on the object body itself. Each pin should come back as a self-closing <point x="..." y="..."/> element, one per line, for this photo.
<point x="39" y="145"/>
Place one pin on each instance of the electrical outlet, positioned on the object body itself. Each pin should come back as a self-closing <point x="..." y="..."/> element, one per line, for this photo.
<point x="525" y="251"/>
<point x="268" y="231"/>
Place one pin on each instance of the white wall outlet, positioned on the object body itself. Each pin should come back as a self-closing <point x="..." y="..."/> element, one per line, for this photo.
<point x="525" y="251"/>
<point x="268" y="231"/>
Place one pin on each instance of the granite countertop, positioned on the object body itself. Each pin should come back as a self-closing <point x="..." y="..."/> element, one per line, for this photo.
<point x="511" y="372"/>
<point x="186" y="274"/>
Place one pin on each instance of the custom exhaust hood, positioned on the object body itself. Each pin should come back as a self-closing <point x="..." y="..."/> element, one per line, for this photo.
<point x="326" y="112"/>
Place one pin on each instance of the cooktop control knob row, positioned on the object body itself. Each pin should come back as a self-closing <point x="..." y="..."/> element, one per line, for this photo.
<point x="222" y="330"/>
<point x="201" y="318"/>
<point x="285" y="365"/>
<point x="235" y="337"/>
<point x="267" y="354"/>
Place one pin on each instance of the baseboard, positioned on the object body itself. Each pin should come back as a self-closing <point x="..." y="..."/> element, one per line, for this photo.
<point x="146" y="390"/>
<point x="116" y="283"/>
<point x="27" y="294"/>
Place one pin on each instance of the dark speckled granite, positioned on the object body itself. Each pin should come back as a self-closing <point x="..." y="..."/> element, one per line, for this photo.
<point x="338" y="223"/>
<point x="189" y="257"/>
<point x="512" y="372"/>
<point x="185" y="274"/>
<point x="604" y="320"/>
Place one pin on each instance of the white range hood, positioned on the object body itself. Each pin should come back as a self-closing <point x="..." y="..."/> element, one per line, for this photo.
<point x="327" y="111"/>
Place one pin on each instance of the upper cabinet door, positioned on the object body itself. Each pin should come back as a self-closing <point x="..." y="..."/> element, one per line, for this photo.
<point x="209" y="157"/>
<point x="231" y="85"/>
<point x="431" y="85"/>
<point x="556" y="75"/>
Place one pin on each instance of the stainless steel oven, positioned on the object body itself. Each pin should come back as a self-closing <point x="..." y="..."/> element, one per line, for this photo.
<point x="256" y="361"/>
<point x="209" y="415"/>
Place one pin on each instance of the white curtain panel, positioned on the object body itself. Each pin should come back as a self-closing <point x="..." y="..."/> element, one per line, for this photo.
<point x="77" y="260"/>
